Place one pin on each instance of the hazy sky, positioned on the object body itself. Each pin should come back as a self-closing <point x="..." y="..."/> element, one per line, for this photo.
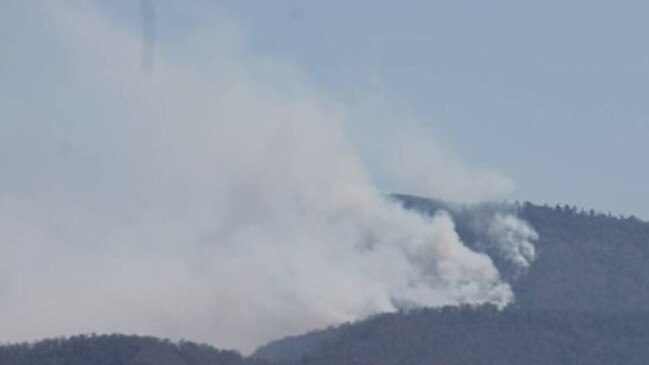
<point x="551" y="93"/>
<point x="217" y="194"/>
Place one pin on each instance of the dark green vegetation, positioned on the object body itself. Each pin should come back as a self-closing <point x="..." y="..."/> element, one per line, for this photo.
<point x="585" y="260"/>
<point x="477" y="336"/>
<point x="117" y="350"/>
<point x="585" y="300"/>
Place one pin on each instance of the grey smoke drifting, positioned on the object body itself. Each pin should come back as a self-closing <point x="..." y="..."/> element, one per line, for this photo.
<point x="199" y="200"/>
<point x="432" y="171"/>
<point x="512" y="239"/>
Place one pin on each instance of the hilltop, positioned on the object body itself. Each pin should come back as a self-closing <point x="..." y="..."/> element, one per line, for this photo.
<point x="584" y="300"/>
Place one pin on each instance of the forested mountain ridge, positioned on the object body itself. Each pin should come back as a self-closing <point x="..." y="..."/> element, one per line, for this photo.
<point x="481" y="336"/>
<point x="585" y="300"/>
<point x="585" y="260"/>
<point x="118" y="350"/>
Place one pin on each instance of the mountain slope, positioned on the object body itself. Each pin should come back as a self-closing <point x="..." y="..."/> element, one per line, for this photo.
<point x="585" y="260"/>
<point x="486" y="336"/>
<point x="117" y="350"/>
<point x="584" y="300"/>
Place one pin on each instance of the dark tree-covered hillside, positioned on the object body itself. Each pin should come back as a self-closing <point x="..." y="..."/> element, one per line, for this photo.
<point x="117" y="350"/>
<point x="485" y="336"/>
<point x="585" y="300"/>
<point x="585" y="260"/>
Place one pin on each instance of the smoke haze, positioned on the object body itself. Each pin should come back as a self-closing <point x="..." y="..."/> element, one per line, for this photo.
<point x="430" y="171"/>
<point x="203" y="199"/>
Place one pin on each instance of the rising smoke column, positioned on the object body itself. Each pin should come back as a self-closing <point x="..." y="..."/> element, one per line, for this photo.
<point x="200" y="200"/>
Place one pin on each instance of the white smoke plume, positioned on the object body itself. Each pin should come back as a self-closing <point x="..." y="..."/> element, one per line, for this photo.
<point x="513" y="239"/>
<point x="197" y="200"/>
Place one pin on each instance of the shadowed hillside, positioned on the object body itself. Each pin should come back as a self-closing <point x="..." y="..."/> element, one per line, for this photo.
<point x="585" y="300"/>
<point x="585" y="260"/>
<point x="117" y="350"/>
<point x="484" y="335"/>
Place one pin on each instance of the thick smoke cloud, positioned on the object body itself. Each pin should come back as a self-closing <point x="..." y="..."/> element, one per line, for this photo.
<point x="199" y="199"/>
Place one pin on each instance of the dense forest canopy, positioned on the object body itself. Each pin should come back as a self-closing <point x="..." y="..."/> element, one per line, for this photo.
<point x="482" y="335"/>
<point x="117" y="350"/>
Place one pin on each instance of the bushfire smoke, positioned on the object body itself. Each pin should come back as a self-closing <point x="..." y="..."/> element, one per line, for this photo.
<point x="203" y="199"/>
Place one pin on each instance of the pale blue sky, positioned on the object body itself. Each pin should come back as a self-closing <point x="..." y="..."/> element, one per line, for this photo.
<point x="551" y="93"/>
